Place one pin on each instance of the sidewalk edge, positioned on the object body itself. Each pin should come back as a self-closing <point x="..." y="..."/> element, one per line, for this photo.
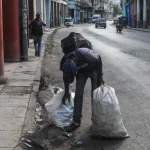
<point x="29" y="121"/>
<point x="139" y="29"/>
<point x="30" y="115"/>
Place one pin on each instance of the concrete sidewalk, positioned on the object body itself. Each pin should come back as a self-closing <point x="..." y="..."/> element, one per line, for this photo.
<point x="140" y="29"/>
<point x="18" y="95"/>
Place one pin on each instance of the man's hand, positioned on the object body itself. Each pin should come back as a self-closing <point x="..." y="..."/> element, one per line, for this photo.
<point x="100" y="81"/>
<point x="65" y="97"/>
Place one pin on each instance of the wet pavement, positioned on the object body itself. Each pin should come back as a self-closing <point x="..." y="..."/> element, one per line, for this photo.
<point x="126" y="67"/>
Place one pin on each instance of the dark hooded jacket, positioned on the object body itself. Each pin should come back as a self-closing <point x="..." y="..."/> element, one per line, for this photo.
<point x="86" y="59"/>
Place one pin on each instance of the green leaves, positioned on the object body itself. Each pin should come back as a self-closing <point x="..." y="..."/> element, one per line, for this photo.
<point x="117" y="10"/>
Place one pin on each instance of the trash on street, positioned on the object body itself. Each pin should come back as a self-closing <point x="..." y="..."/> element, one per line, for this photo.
<point x="29" y="141"/>
<point x="67" y="134"/>
<point x="79" y="143"/>
<point x="28" y="145"/>
<point x="59" y="114"/>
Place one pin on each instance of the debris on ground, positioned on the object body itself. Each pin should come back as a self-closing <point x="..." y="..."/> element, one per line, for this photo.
<point x="28" y="145"/>
<point x="79" y="143"/>
<point x="30" y="132"/>
<point x="44" y="96"/>
<point x="38" y="114"/>
<point x="29" y="141"/>
<point x="67" y="134"/>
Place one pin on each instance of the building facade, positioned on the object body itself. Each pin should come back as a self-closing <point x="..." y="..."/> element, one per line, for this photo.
<point x="14" y="40"/>
<point x="15" y="37"/>
<point x="80" y="10"/>
<point x="137" y="12"/>
<point x="110" y="10"/>
<point x="104" y="8"/>
<point x="74" y="10"/>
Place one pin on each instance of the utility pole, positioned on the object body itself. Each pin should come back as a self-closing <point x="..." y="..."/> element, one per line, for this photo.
<point x="24" y="46"/>
<point x="3" y="79"/>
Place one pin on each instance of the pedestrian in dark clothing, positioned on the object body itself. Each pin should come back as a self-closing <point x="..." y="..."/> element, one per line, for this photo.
<point x="37" y="32"/>
<point x="82" y="63"/>
<point x="119" y="22"/>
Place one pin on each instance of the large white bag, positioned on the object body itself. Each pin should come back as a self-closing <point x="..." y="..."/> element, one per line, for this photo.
<point x="106" y="115"/>
<point x="56" y="101"/>
<point x="59" y="114"/>
<point x="62" y="116"/>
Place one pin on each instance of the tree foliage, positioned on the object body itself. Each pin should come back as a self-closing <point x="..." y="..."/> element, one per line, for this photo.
<point x="117" y="10"/>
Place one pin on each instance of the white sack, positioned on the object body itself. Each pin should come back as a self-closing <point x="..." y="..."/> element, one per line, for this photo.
<point x="59" y="114"/>
<point x="106" y="115"/>
<point x="62" y="116"/>
<point x="55" y="102"/>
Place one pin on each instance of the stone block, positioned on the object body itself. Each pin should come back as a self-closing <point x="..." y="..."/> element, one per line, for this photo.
<point x="20" y="83"/>
<point x="9" y="139"/>
<point x="11" y="124"/>
<point x="15" y="112"/>
<point x="6" y="148"/>
<point x="22" y="76"/>
<point x="14" y="96"/>
<point x="17" y="90"/>
<point x="9" y="102"/>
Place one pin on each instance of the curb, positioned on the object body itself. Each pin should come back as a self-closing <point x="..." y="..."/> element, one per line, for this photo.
<point x="139" y="29"/>
<point x="29" y="122"/>
<point x="30" y="115"/>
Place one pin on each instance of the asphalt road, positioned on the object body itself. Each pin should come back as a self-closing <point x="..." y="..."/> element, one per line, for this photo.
<point x="126" y="67"/>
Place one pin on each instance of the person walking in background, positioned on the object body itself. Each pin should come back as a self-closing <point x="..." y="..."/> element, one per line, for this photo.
<point x="37" y="32"/>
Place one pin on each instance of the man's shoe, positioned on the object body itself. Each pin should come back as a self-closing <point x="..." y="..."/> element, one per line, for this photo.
<point x="73" y="126"/>
<point x="36" y="54"/>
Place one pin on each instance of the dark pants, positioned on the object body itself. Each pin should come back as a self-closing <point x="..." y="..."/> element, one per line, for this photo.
<point x="37" y="44"/>
<point x="81" y="81"/>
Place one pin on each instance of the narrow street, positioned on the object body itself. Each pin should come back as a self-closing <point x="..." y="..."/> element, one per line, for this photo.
<point x="126" y="59"/>
<point x="30" y="76"/>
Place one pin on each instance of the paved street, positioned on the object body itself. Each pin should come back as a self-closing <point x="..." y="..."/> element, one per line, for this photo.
<point x="126" y="67"/>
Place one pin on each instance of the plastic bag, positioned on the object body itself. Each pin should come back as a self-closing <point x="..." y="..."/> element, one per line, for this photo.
<point x="106" y="115"/>
<point x="59" y="114"/>
<point x="55" y="102"/>
<point x="62" y="116"/>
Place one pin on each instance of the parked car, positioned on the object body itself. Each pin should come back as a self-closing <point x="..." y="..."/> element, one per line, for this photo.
<point x="94" y="18"/>
<point x="101" y="22"/>
<point x="69" y="21"/>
